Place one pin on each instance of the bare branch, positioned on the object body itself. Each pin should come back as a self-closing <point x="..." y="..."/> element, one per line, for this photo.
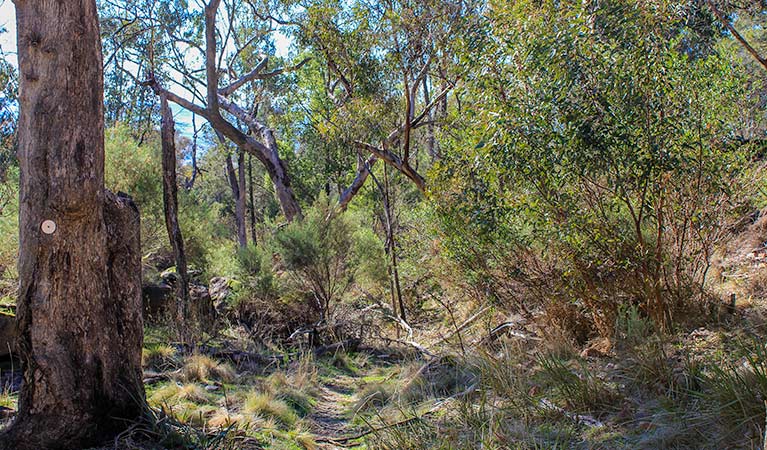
<point x="393" y="160"/>
<point x="363" y="170"/>
<point x="421" y="75"/>
<point x="225" y="91"/>
<point x="256" y="74"/>
<point x="431" y="104"/>
<point x="184" y="103"/>
<point x="737" y="35"/>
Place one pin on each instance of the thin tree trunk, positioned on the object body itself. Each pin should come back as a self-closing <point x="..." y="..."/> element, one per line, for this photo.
<point x="238" y="192"/>
<point x="392" y="245"/>
<point x="79" y="305"/>
<point x="241" y="208"/>
<point x="431" y="142"/>
<point x="398" y="306"/>
<point x="195" y="170"/>
<point x="170" y="207"/>
<point x="252" y="201"/>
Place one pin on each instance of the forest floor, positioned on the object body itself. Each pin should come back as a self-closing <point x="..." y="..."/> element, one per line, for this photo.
<point x="644" y="392"/>
<point x="447" y="386"/>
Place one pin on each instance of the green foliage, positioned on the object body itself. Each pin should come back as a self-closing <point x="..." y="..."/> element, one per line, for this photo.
<point x="607" y="160"/>
<point x="9" y="226"/>
<point x="738" y="386"/>
<point x="137" y="171"/>
<point x="324" y="253"/>
<point x="267" y="406"/>
<point x="159" y="357"/>
<point x="578" y="390"/>
<point x="254" y="269"/>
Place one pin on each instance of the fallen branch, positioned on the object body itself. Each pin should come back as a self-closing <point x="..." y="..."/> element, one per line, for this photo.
<point x="348" y="345"/>
<point x="505" y="329"/>
<point x="462" y="326"/>
<point x="577" y="418"/>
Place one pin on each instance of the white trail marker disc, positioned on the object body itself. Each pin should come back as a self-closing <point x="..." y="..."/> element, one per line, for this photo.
<point x="48" y="226"/>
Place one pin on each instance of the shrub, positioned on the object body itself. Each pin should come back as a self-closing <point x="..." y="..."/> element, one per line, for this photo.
<point x="595" y="184"/>
<point x="738" y="387"/>
<point x="324" y="253"/>
<point x="580" y="390"/>
<point x="297" y="395"/>
<point x="158" y="356"/>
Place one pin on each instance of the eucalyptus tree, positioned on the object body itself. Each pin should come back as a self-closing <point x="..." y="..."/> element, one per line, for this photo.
<point x="130" y="33"/>
<point x="378" y="90"/>
<point x="79" y="304"/>
<point x="601" y="162"/>
<point x="386" y="70"/>
<point x="203" y="62"/>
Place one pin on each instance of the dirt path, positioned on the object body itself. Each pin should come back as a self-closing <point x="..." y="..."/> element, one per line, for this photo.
<point x="332" y="414"/>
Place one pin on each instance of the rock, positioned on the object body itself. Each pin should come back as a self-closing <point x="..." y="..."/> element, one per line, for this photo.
<point x="220" y="291"/>
<point x="7" y="334"/>
<point x="169" y="276"/>
<point x="157" y="300"/>
<point x="202" y="304"/>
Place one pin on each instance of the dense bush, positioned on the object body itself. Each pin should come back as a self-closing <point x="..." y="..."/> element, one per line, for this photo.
<point x="325" y="252"/>
<point x="137" y="170"/>
<point x="607" y="166"/>
<point x="9" y="226"/>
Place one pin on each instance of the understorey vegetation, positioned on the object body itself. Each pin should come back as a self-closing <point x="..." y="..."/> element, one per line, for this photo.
<point x="385" y="225"/>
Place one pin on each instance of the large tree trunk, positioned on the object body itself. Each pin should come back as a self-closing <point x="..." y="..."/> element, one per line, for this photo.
<point x="79" y="306"/>
<point x="170" y="207"/>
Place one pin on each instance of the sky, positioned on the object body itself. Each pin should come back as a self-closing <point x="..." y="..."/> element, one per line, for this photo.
<point x="8" y="22"/>
<point x="182" y="117"/>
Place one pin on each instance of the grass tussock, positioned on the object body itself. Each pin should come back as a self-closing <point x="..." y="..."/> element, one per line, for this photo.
<point x="296" y="395"/>
<point x="159" y="357"/>
<point x="201" y="368"/>
<point x="268" y="406"/>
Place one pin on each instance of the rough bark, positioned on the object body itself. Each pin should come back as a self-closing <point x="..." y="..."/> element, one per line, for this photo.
<point x="79" y="306"/>
<point x="170" y="207"/>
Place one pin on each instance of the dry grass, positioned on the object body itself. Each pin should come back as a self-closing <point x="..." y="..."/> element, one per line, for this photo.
<point x="269" y="407"/>
<point x="203" y="368"/>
